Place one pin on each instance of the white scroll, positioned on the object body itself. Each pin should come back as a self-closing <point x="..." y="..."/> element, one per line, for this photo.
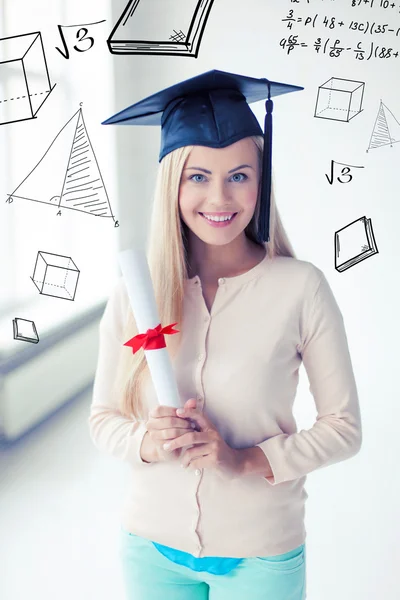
<point x="136" y="273"/>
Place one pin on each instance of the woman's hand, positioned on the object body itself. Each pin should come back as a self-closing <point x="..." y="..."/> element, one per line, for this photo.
<point x="163" y="425"/>
<point x="210" y="450"/>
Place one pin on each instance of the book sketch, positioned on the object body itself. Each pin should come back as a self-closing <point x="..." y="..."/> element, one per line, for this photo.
<point x="24" y="330"/>
<point x="166" y="27"/>
<point x="353" y="243"/>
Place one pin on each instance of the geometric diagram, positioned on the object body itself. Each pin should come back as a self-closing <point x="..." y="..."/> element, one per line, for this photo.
<point x="386" y="130"/>
<point x="25" y="330"/>
<point x="339" y="99"/>
<point x="55" y="275"/>
<point x="68" y="176"/>
<point x="26" y="89"/>
<point x="353" y="243"/>
<point x="167" y="27"/>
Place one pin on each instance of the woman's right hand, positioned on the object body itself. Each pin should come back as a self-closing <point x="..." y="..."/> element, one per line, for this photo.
<point x="162" y="426"/>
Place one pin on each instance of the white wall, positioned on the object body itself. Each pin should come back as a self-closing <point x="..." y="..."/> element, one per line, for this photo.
<point x="352" y="520"/>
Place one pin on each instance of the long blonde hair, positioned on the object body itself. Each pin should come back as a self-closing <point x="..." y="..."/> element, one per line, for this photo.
<point x="167" y="255"/>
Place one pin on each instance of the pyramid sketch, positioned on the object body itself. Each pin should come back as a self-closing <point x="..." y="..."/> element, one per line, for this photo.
<point x="68" y="175"/>
<point x="386" y="130"/>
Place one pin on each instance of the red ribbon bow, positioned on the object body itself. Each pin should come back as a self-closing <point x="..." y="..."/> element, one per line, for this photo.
<point x="153" y="339"/>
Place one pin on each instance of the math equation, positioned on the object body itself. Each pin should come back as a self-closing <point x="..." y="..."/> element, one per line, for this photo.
<point x="364" y="34"/>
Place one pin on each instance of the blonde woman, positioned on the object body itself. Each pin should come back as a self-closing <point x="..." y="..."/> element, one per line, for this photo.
<point x="230" y="523"/>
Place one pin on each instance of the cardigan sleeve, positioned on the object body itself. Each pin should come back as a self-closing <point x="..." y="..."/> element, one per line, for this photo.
<point x="109" y="430"/>
<point x="337" y="433"/>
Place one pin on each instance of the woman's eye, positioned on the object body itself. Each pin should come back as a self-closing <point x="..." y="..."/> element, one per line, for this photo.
<point x="239" y="175"/>
<point x="196" y="175"/>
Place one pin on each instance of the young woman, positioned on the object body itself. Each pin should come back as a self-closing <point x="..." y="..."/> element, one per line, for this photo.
<point x="230" y="524"/>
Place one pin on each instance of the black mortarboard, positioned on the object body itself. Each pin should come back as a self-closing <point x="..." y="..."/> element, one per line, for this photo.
<point x="212" y="110"/>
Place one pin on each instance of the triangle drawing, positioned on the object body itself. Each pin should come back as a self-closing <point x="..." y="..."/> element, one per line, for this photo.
<point x="386" y="130"/>
<point x="68" y="175"/>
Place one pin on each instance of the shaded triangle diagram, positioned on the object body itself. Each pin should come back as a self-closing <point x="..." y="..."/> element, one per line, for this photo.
<point x="386" y="130"/>
<point x="68" y="175"/>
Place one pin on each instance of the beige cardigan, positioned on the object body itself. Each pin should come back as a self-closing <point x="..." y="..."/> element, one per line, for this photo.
<point x="242" y="364"/>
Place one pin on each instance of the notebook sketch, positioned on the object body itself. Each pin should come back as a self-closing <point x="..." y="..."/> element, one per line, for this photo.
<point x="166" y="27"/>
<point x="25" y="330"/>
<point x="353" y="243"/>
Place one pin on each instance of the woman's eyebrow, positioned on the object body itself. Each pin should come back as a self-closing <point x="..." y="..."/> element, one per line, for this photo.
<point x="209" y="172"/>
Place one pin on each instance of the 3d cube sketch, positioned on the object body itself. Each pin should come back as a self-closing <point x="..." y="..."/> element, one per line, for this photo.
<point x="24" y="77"/>
<point x="339" y="99"/>
<point x="55" y="275"/>
<point x="25" y="330"/>
<point x="353" y="243"/>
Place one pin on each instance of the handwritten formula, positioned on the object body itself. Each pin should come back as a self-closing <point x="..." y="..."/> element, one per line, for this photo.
<point x="380" y="30"/>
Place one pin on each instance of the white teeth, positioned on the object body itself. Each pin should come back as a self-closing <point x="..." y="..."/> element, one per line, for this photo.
<point x="218" y="218"/>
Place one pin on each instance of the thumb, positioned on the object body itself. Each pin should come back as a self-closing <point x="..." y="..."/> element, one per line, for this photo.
<point x="191" y="403"/>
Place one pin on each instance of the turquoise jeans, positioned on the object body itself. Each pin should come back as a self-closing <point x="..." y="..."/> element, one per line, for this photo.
<point x="149" y="575"/>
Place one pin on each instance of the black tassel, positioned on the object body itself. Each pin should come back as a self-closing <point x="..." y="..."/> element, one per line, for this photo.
<point x="263" y="220"/>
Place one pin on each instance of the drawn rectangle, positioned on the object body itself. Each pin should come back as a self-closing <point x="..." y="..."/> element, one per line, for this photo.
<point x="25" y="330"/>
<point x="173" y="27"/>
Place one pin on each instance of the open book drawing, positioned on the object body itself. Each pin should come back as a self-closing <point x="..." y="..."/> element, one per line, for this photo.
<point x="168" y="27"/>
<point x="354" y="243"/>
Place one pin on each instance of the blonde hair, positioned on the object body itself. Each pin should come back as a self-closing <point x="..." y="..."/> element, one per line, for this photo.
<point x="167" y="255"/>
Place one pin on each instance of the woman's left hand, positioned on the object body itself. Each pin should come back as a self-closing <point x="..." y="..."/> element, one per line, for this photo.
<point x="210" y="450"/>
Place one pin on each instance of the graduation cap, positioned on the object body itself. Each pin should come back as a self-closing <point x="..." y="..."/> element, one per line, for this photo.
<point x="212" y="109"/>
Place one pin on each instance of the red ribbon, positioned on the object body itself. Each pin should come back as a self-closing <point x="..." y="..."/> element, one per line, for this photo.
<point x="153" y="339"/>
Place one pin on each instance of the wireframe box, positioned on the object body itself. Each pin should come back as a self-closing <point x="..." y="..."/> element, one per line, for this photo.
<point x="339" y="99"/>
<point x="24" y="78"/>
<point x="55" y="275"/>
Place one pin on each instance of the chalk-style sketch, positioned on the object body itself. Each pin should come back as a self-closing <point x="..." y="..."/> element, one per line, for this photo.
<point x="353" y="243"/>
<point x="68" y="175"/>
<point x="386" y="131"/>
<point x="339" y="99"/>
<point x="55" y="275"/>
<point x="25" y="330"/>
<point x="24" y="77"/>
<point x="167" y="27"/>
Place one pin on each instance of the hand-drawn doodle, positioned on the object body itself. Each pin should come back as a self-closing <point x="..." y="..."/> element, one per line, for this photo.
<point x="353" y="243"/>
<point x="166" y="27"/>
<point x="80" y="36"/>
<point x="345" y="173"/>
<point x="386" y="131"/>
<point x="68" y="175"/>
<point x="25" y="330"/>
<point x="339" y="99"/>
<point x="55" y="275"/>
<point x="24" y="77"/>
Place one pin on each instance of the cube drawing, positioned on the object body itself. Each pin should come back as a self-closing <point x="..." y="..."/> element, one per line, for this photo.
<point x="24" y="78"/>
<point x="55" y="275"/>
<point x="339" y="99"/>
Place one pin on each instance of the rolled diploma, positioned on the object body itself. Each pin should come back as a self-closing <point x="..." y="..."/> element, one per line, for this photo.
<point x="136" y="273"/>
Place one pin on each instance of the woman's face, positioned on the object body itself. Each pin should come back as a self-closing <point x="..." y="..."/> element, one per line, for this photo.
<point x="219" y="180"/>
